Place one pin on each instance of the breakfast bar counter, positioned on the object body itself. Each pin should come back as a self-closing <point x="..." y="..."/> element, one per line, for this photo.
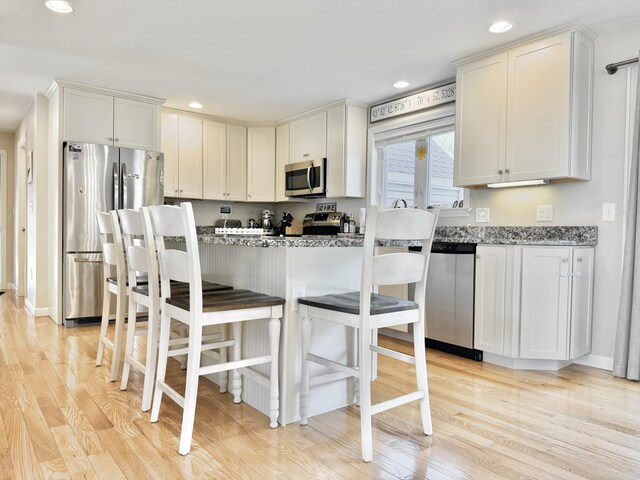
<point x="290" y="267"/>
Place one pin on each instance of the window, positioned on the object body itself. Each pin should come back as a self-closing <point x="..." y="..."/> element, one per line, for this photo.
<point x="416" y="165"/>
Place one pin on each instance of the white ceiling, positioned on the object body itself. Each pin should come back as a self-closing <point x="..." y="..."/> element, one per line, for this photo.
<point x="263" y="60"/>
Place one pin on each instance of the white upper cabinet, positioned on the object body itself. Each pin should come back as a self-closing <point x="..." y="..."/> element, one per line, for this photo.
<point x="261" y="164"/>
<point x="525" y="113"/>
<point x="182" y="148"/>
<point x="346" y="151"/>
<point x="135" y="124"/>
<point x="214" y="152"/>
<point x="282" y="159"/>
<point x="104" y="119"/>
<point x="236" y="163"/>
<point x="308" y="138"/>
<point x="225" y="158"/>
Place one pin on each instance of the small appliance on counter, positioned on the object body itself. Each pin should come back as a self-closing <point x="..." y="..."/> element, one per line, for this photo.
<point x="265" y="220"/>
<point x="322" y="223"/>
<point x="228" y="223"/>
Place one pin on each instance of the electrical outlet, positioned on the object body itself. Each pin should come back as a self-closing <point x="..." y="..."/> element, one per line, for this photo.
<point x="296" y="293"/>
<point x="545" y="213"/>
<point x="608" y="212"/>
<point x="482" y="215"/>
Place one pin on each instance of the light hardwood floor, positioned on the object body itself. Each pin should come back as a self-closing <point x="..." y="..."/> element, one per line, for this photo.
<point x="60" y="417"/>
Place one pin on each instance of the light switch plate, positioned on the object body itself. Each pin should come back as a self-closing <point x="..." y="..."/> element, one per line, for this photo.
<point x="545" y="213"/>
<point x="482" y="215"/>
<point x="296" y="293"/>
<point x="225" y="209"/>
<point x="608" y="212"/>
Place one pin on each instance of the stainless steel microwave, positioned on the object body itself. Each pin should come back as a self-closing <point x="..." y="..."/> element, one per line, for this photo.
<point x="306" y="179"/>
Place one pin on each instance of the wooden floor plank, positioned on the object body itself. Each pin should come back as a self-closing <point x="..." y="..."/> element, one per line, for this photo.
<point x="74" y="458"/>
<point x="105" y="467"/>
<point x="489" y="422"/>
<point x="24" y="460"/>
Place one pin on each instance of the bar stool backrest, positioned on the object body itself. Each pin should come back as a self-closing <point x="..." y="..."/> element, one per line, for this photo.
<point x="397" y="268"/>
<point x="178" y="265"/>
<point x="140" y="249"/>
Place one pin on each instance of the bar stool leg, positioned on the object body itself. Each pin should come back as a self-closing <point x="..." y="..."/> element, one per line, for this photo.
<point x="236" y="383"/>
<point x="163" y="353"/>
<point x="191" y="388"/>
<point x="117" y="337"/>
<point x="305" y="326"/>
<point x="128" y="347"/>
<point x="151" y="358"/>
<point x="274" y="393"/>
<point x="104" y="324"/>
<point x="421" y="376"/>
<point x="364" y="354"/>
<point x="224" y="375"/>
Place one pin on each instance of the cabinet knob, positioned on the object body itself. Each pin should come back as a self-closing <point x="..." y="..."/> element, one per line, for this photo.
<point x="116" y="139"/>
<point x="306" y="155"/>
<point x="180" y="190"/>
<point x="110" y="139"/>
<point x="579" y="259"/>
<point x="506" y="170"/>
<point x="500" y="172"/>
<point x="249" y="196"/>
<point x="176" y="190"/>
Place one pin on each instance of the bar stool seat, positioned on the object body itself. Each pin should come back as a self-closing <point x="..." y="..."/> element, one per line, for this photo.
<point x="350" y="303"/>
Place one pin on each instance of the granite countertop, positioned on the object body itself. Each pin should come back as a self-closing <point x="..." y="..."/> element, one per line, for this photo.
<point x="558" y="236"/>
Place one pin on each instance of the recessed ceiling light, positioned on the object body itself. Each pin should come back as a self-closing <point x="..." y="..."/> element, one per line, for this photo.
<point x="500" y="27"/>
<point x="197" y="105"/>
<point x="59" y="6"/>
<point x="401" y="84"/>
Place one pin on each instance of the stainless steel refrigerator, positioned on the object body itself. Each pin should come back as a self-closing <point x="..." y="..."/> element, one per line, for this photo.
<point x="98" y="178"/>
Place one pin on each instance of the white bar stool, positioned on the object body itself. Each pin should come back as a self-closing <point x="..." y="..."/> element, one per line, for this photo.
<point x="199" y="309"/>
<point x="113" y="259"/>
<point x="367" y="311"/>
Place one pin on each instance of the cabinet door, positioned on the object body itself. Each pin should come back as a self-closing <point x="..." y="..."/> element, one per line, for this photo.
<point x="317" y="136"/>
<point x="88" y="117"/>
<point x="481" y="121"/>
<point x="169" y="146"/>
<point x="282" y="159"/>
<point x="298" y="141"/>
<point x="581" y="301"/>
<point x="214" y="152"/>
<point x="190" y="157"/>
<point x="135" y="124"/>
<point x="236" y="163"/>
<point x="489" y="323"/>
<point x="261" y="164"/>
<point x="545" y="305"/>
<point x="539" y="101"/>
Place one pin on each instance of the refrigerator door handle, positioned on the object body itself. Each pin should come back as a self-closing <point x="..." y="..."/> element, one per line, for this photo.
<point x="116" y="187"/>
<point x="123" y="179"/>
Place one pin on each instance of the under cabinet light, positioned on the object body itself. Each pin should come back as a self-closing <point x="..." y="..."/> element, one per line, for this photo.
<point x="197" y="105"/>
<point x="59" y="6"/>
<point x="522" y="183"/>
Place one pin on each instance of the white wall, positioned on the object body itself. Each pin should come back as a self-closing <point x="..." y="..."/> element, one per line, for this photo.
<point x="580" y="203"/>
<point x="35" y="127"/>
<point x="7" y="143"/>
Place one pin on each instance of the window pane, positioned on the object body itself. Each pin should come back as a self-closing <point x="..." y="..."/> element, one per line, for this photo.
<point x="441" y="190"/>
<point x="399" y="172"/>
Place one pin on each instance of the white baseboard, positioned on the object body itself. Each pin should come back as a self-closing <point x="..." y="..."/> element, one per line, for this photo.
<point x="35" y="312"/>
<point x="596" y="361"/>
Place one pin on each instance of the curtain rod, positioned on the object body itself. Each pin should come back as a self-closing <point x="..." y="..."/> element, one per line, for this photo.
<point x="613" y="67"/>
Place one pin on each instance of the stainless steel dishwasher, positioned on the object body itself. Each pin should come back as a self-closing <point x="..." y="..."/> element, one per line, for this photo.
<point x="450" y="299"/>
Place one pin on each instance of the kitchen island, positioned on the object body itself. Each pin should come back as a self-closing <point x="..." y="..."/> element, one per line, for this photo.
<point x="291" y="267"/>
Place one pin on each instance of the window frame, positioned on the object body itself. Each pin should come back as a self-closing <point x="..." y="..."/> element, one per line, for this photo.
<point x="431" y="120"/>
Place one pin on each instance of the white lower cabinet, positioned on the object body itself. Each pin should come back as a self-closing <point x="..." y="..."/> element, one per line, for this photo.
<point x="534" y="303"/>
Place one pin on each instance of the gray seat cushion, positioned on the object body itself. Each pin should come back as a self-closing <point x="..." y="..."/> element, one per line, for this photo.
<point x="350" y="303"/>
